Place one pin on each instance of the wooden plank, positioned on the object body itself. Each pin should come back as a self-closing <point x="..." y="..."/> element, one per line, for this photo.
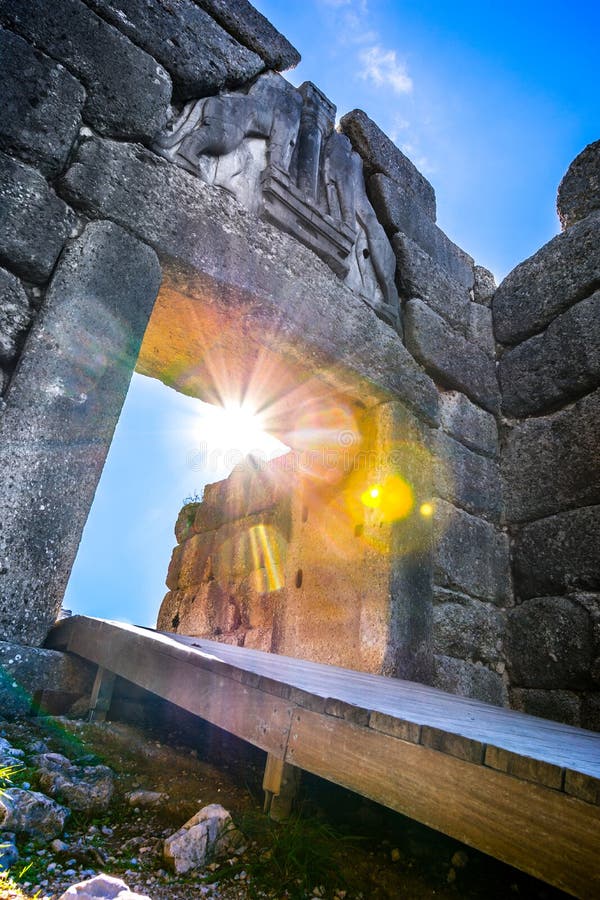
<point x="453" y="744"/>
<point x="546" y="833"/>
<point x="524" y="767"/>
<point x="583" y="786"/>
<point x="101" y="696"/>
<point x="406" y="731"/>
<point x="251" y="714"/>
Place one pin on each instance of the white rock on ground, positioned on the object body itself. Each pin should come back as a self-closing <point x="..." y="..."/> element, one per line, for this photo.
<point x="32" y="813"/>
<point x="206" y="836"/>
<point x="101" y="887"/>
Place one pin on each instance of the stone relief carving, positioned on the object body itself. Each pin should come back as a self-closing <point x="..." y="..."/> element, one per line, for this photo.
<point x="275" y="148"/>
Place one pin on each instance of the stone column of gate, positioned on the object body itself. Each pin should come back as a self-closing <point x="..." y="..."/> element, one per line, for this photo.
<point x="61" y="410"/>
<point x="318" y="117"/>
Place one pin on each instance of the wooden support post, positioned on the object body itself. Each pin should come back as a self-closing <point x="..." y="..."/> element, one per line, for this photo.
<point x="280" y="784"/>
<point x="101" y="695"/>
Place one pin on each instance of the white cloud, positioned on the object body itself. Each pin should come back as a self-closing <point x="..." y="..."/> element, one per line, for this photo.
<point x="384" y="69"/>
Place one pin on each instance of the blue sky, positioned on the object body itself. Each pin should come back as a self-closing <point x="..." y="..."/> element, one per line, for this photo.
<point x="491" y="101"/>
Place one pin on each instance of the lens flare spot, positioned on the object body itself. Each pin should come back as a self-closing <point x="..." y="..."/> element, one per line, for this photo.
<point x="372" y="497"/>
<point x="394" y="498"/>
<point x="426" y="510"/>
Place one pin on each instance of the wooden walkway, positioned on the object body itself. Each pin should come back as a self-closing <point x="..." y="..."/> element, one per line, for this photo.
<point x="523" y="789"/>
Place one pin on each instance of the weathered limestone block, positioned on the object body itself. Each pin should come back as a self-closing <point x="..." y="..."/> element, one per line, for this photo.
<point x="269" y="271"/>
<point x="199" y="55"/>
<point x="128" y="93"/>
<point x="42" y="103"/>
<point x="565" y="270"/>
<point x="552" y="462"/>
<point x="467" y="630"/>
<point x="449" y="357"/>
<point x="420" y="276"/>
<point x="470" y="555"/>
<point x="467" y="479"/>
<point x="62" y="408"/>
<point x="26" y="670"/>
<point x="31" y="813"/>
<point x="380" y="154"/>
<point x="245" y="23"/>
<point x="484" y="286"/>
<point x="481" y="328"/>
<point x="398" y="211"/>
<point x="468" y="423"/>
<point x="579" y="191"/>
<point x="559" y="554"/>
<point x="560" y="706"/>
<point x="101" y="887"/>
<point x="15" y="315"/>
<point x="456" y="676"/>
<point x="549" y="644"/>
<point x="553" y="367"/>
<point x="34" y="222"/>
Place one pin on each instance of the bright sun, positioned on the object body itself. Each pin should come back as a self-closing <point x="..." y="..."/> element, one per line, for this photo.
<point x="232" y="431"/>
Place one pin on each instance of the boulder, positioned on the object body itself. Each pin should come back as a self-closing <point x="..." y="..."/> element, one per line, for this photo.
<point x="31" y="813"/>
<point x="467" y="629"/>
<point x="579" y="191"/>
<point x="81" y="788"/>
<point x="101" y="887"/>
<point x="9" y="853"/>
<point x="468" y="423"/>
<point x="456" y="676"/>
<point x="484" y="285"/>
<point x="15" y="316"/>
<point x="208" y="835"/>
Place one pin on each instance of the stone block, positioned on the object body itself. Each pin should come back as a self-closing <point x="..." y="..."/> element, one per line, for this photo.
<point x="579" y="191"/>
<point x="191" y="563"/>
<point x="551" y="463"/>
<point x="481" y="328"/>
<point x="484" y="285"/>
<point x="184" y="526"/>
<point x="34" y="222"/>
<point x="549" y="644"/>
<point x="565" y="270"/>
<point x="467" y="479"/>
<point x="245" y="23"/>
<point x="468" y="423"/>
<point x="380" y="155"/>
<point x="419" y="276"/>
<point x="470" y="555"/>
<point x="178" y="215"/>
<point x="41" y="105"/>
<point x="25" y="671"/>
<point x="449" y="357"/>
<point x="555" y="366"/>
<point x="61" y="410"/>
<point x="468" y="630"/>
<point x="560" y="706"/>
<point x="398" y="211"/>
<point x="199" y="55"/>
<point x="558" y="554"/>
<point x="15" y="316"/>
<point x="469" y="680"/>
<point x="590" y="711"/>
<point x="128" y="92"/>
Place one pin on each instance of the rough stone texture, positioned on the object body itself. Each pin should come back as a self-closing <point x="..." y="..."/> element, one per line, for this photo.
<point x="469" y="424"/>
<point x="471" y="555"/>
<point x="34" y="222"/>
<point x="278" y="289"/>
<point x="24" y="671"/>
<point x="15" y="316"/>
<point x="398" y="211"/>
<point x="101" y="887"/>
<point x="42" y="104"/>
<point x="552" y="463"/>
<point x="565" y="270"/>
<point x="199" y="55"/>
<point x="467" y="479"/>
<point x="555" y="366"/>
<point x="590" y="711"/>
<point x="81" y="788"/>
<point x="128" y="93"/>
<point x="380" y="155"/>
<point x="549" y="644"/>
<point x="559" y="554"/>
<point x="467" y="630"/>
<point x="245" y="23"/>
<point x="484" y="286"/>
<point x="420" y="276"/>
<point x="452" y="360"/>
<point x="62" y="407"/>
<point x="481" y="328"/>
<point x="456" y="676"/>
<point x="31" y="813"/>
<point x="560" y="706"/>
<point x="208" y="835"/>
<point x="579" y="191"/>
